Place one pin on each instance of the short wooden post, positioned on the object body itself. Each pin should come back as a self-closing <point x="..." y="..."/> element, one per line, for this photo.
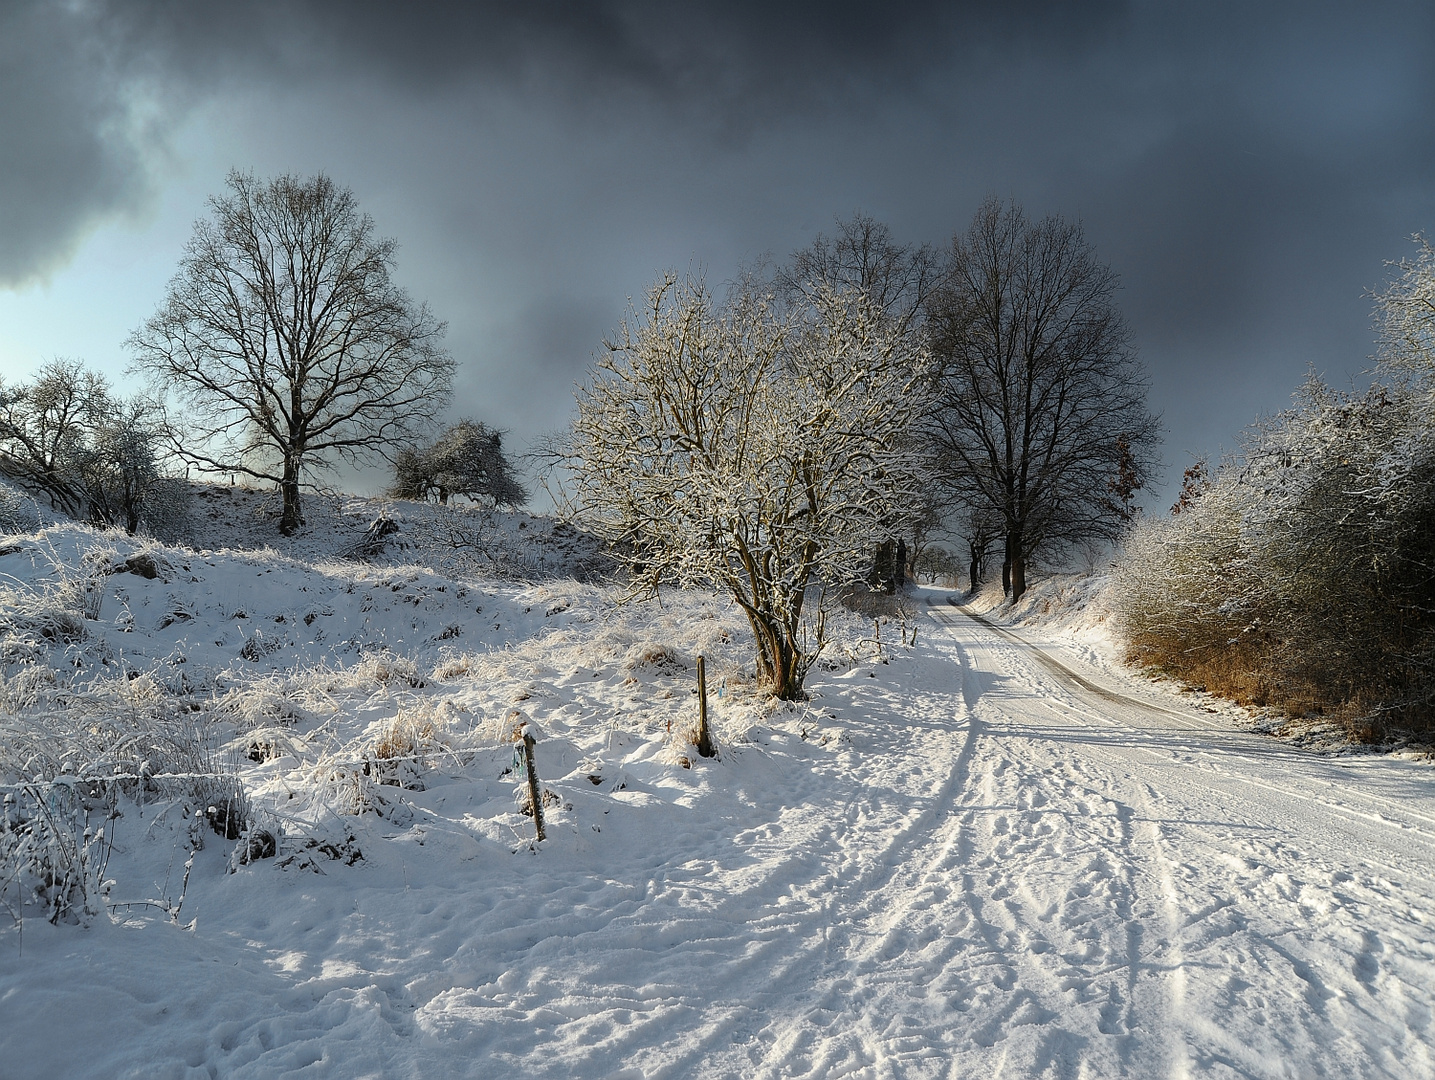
<point x="534" y="796"/>
<point x="705" y="739"/>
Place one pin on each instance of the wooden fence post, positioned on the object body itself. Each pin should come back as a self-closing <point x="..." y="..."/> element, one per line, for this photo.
<point x="534" y="795"/>
<point x="705" y="739"/>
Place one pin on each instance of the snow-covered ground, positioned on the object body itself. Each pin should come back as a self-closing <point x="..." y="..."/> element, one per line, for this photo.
<point x="965" y="857"/>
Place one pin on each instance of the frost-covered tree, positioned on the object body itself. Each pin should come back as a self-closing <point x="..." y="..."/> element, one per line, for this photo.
<point x="862" y="256"/>
<point x="1303" y="572"/>
<point x="752" y="447"/>
<point x="466" y="460"/>
<point x="44" y="429"/>
<point x="65" y="436"/>
<point x="1405" y="312"/>
<point x="288" y="343"/>
<point x="1041" y="404"/>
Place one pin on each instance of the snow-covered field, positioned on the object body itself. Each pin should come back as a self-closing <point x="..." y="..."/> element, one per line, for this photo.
<point x="982" y="855"/>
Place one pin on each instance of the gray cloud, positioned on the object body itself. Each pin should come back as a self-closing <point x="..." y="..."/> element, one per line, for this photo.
<point x="76" y="137"/>
<point x="1245" y="168"/>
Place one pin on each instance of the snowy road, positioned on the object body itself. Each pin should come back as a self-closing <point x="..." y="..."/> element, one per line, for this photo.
<point x="1148" y="893"/>
<point x="975" y="860"/>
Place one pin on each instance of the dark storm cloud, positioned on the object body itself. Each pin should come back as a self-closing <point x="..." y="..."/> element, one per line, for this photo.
<point x="74" y="134"/>
<point x="736" y="53"/>
<point x="86" y="88"/>
<point x="1245" y="168"/>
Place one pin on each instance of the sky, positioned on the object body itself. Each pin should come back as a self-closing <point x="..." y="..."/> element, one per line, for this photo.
<point x="1249" y="171"/>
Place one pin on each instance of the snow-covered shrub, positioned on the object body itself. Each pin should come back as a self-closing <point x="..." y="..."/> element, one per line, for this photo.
<point x="1304" y="573"/>
<point x="405" y="749"/>
<point x="655" y="656"/>
<point x="466" y="460"/>
<point x="1187" y="596"/>
<point x="66" y="764"/>
<point x="35" y="617"/>
<point x="53" y="850"/>
<point x="18" y="512"/>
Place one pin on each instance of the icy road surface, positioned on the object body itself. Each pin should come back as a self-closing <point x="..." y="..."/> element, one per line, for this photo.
<point x="991" y="862"/>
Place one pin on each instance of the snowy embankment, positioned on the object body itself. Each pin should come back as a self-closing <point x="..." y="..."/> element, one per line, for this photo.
<point x="952" y="861"/>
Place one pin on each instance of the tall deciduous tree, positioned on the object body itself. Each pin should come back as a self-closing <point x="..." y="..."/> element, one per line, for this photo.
<point x="1041" y="403"/>
<point x="897" y="280"/>
<point x="751" y="447"/>
<point x="288" y="343"/>
<point x="863" y="256"/>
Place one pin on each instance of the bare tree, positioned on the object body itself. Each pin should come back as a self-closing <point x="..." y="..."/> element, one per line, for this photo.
<point x="897" y="278"/>
<point x="1041" y="404"/>
<point x="466" y="460"/>
<point x="93" y="455"/>
<point x="45" y="425"/>
<point x="981" y="528"/>
<point x="750" y="448"/>
<point x="286" y="341"/>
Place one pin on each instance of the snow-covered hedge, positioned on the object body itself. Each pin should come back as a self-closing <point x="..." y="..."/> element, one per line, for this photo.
<point x="1303" y="573"/>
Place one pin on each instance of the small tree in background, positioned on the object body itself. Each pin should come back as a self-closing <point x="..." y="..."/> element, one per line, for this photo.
<point x="981" y="528"/>
<point x="467" y="460"/>
<point x="92" y="455"/>
<point x="751" y="448"/>
<point x="44" y="430"/>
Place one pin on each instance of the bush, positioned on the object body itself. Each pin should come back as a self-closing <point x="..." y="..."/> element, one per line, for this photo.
<point x="66" y="763"/>
<point x="1303" y="574"/>
<point x="466" y="460"/>
<point x="18" y="512"/>
<point x="66" y="437"/>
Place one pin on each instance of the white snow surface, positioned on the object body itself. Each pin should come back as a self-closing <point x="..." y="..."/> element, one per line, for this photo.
<point x="982" y="855"/>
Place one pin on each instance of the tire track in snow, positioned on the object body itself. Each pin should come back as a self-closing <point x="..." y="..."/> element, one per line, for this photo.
<point x="829" y="1029"/>
<point x="1126" y="872"/>
<point x="1286" y="967"/>
<point x="1216" y="764"/>
<point x="1263" y="747"/>
<point x="761" y="955"/>
<point x="952" y="967"/>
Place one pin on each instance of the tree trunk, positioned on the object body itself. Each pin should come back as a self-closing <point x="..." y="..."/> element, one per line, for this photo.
<point x="882" y="575"/>
<point x="976" y="573"/>
<point x="787" y="681"/>
<point x="289" y="488"/>
<point x="899" y="566"/>
<point x="779" y="661"/>
<point x="1018" y="566"/>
